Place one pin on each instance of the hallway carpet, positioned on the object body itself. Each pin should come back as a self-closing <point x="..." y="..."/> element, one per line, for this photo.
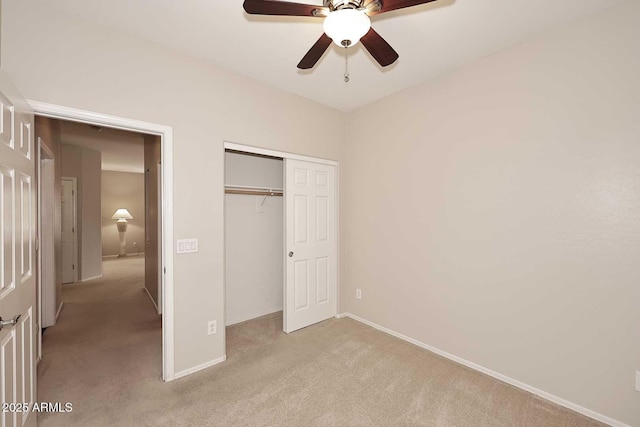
<point x="104" y="357"/>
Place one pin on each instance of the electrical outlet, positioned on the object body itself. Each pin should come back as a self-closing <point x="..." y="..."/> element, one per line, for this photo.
<point x="358" y="293"/>
<point x="637" y="380"/>
<point x="213" y="327"/>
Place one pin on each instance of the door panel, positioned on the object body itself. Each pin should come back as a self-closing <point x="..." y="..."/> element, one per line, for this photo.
<point x="17" y="254"/>
<point x="310" y="291"/>
<point x="25" y="220"/>
<point x="7" y="254"/>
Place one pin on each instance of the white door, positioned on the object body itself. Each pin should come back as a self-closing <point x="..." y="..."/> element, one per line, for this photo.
<point x="17" y="257"/>
<point x="311" y="273"/>
<point x="69" y="274"/>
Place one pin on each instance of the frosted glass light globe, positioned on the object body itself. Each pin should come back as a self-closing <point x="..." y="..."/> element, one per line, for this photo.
<point x="346" y="24"/>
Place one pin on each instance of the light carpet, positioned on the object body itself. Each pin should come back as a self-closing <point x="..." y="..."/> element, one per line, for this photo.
<point x="104" y="357"/>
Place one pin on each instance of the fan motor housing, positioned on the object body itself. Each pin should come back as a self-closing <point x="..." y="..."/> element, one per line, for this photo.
<point x="343" y="4"/>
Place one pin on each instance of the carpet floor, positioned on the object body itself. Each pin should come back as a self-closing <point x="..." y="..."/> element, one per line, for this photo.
<point x="104" y="356"/>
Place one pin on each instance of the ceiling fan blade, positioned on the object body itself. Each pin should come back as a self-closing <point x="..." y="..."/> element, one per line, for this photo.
<point x="379" y="48"/>
<point x="285" y="8"/>
<point x="389" y="5"/>
<point x="315" y="53"/>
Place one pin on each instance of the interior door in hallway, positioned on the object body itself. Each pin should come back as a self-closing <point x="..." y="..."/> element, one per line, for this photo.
<point x="17" y="257"/>
<point x="311" y="265"/>
<point x="69" y="261"/>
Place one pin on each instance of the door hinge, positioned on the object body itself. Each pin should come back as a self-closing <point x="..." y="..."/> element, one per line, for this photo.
<point x="73" y="229"/>
<point x="73" y="193"/>
<point x="165" y="270"/>
<point x="73" y="266"/>
<point x="37" y="245"/>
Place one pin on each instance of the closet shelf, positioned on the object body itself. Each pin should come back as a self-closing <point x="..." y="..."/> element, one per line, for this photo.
<point x="252" y="191"/>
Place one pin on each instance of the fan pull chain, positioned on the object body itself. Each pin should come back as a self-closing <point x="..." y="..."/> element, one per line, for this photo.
<point x="346" y="64"/>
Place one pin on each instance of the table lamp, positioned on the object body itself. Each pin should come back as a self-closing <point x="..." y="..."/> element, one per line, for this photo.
<point x="122" y="215"/>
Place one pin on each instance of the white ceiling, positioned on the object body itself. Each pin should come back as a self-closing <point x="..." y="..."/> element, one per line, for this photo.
<point x="122" y="151"/>
<point x="431" y="39"/>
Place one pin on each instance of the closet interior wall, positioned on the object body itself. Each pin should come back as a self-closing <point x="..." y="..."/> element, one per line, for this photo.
<point x="254" y="235"/>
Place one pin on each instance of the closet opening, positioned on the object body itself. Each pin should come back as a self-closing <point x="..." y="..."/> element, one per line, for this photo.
<point x="280" y="244"/>
<point x="254" y="237"/>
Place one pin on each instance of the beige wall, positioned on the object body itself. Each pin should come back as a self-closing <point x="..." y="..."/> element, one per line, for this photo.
<point x="105" y="71"/>
<point x="495" y="213"/>
<point x="122" y="190"/>
<point x="85" y="165"/>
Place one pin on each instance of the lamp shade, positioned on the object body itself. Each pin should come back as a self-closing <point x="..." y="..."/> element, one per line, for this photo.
<point x="346" y="26"/>
<point x="122" y="213"/>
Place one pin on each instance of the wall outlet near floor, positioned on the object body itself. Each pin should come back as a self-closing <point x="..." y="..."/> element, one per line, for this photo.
<point x="358" y="293"/>
<point x="213" y="327"/>
<point x="637" y="380"/>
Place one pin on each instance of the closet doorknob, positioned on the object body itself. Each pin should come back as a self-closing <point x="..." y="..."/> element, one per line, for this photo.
<point x="290" y="254"/>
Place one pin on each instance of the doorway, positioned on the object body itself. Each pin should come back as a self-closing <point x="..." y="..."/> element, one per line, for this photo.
<point x="165" y="202"/>
<point x="68" y="209"/>
<point x="295" y="257"/>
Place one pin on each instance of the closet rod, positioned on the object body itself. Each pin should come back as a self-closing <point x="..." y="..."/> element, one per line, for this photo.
<point x="250" y="187"/>
<point x="253" y="192"/>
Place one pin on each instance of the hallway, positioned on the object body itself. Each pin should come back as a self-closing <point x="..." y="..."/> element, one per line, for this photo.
<point x="108" y="338"/>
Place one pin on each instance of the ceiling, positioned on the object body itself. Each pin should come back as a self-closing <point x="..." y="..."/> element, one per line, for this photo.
<point x="431" y="39"/>
<point x="122" y="151"/>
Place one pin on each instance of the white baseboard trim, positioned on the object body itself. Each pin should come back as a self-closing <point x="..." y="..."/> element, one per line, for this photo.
<point x="118" y="256"/>
<point x="199" y="367"/>
<point x="151" y="298"/>
<point x="59" y="310"/>
<point x="253" y="316"/>
<point x="526" y="387"/>
<point x="91" y="278"/>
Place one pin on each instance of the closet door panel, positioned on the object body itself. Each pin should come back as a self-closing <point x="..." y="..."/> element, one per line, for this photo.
<point x="310" y="291"/>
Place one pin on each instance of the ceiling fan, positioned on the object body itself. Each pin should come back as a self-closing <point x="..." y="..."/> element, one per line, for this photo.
<point x="346" y="22"/>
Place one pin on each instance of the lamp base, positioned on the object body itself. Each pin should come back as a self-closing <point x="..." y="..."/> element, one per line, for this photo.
<point x="122" y="251"/>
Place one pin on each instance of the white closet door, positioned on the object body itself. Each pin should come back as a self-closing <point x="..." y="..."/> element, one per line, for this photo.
<point x="311" y="272"/>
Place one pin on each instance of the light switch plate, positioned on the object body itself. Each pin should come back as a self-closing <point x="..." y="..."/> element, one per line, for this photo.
<point x="187" y="246"/>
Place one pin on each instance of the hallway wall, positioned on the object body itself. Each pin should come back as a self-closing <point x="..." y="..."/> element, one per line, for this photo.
<point x="85" y="165"/>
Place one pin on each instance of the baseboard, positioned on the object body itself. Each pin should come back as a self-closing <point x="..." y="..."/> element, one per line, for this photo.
<point x="526" y="387"/>
<point x="59" y="310"/>
<point x="251" y="317"/>
<point x="152" y="301"/>
<point x="199" y="367"/>
<point x="91" y="278"/>
<point x="117" y="256"/>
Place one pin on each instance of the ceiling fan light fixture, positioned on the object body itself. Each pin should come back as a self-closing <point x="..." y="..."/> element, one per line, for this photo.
<point x="346" y="26"/>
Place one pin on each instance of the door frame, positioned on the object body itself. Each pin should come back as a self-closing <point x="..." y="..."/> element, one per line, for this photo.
<point x="41" y="147"/>
<point x="166" y="140"/>
<point x="74" y="196"/>
<point x="227" y="145"/>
